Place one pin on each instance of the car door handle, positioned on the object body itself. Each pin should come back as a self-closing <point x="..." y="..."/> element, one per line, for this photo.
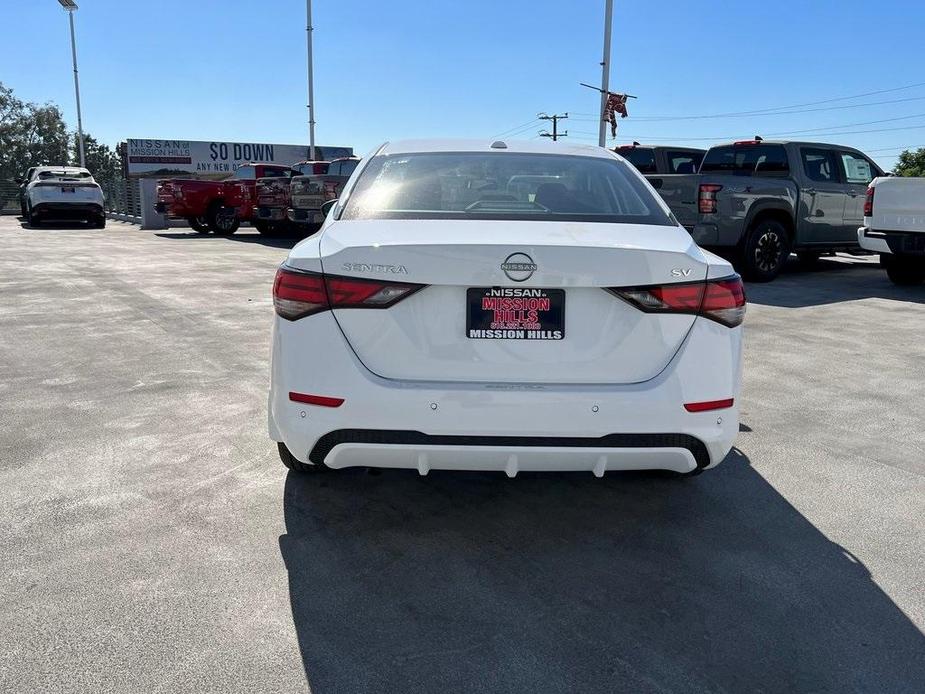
<point x="810" y="191"/>
<point x="853" y="195"/>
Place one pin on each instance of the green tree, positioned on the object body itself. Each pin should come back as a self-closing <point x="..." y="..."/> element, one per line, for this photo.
<point x="36" y="135"/>
<point x="911" y="163"/>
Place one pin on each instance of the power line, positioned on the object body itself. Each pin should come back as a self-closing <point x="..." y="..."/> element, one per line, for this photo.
<point x="555" y="118"/>
<point x="521" y="127"/>
<point x="849" y="125"/>
<point x="776" y="110"/>
<point x="658" y="119"/>
<point x="722" y="138"/>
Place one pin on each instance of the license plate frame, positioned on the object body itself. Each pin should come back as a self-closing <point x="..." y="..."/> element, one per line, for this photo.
<point x="515" y="313"/>
<point x="68" y="189"/>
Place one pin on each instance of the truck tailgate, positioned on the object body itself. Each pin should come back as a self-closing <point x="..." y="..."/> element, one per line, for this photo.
<point x="679" y="191"/>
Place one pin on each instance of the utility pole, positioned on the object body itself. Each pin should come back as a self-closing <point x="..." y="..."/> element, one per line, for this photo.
<point x="605" y="73"/>
<point x="555" y="118"/>
<point x="71" y="7"/>
<point x="311" y="86"/>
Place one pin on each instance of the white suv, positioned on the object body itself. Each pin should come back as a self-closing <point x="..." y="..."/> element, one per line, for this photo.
<point x="63" y="192"/>
<point x="512" y="306"/>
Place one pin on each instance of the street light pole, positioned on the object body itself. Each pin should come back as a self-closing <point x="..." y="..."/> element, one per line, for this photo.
<point x="605" y="73"/>
<point x="311" y="86"/>
<point x="71" y="7"/>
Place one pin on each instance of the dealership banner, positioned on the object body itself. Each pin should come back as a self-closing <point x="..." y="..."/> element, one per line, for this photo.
<point x="151" y="157"/>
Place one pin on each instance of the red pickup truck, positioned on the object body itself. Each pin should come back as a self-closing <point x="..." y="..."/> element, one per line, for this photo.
<point x="309" y="193"/>
<point x="217" y="206"/>
<point x="273" y="196"/>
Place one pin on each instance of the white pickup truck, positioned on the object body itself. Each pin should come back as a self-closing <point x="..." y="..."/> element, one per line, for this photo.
<point x="894" y="227"/>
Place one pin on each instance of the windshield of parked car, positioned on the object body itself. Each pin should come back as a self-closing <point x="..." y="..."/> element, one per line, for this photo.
<point x="500" y="185"/>
<point x="62" y="173"/>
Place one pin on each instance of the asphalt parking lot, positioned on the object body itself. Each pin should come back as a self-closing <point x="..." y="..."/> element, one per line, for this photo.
<point x="152" y="541"/>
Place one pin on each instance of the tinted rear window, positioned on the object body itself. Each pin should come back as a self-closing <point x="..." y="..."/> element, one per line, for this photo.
<point x="746" y="160"/>
<point x="496" y="185"/>
<point x="683" y="162"/>
<point x="641" y="157"/>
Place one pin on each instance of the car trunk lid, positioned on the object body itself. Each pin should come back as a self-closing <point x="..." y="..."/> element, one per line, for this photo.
<point x="559" y="269"/>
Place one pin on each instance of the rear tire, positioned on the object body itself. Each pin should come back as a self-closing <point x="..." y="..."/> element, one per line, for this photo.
<point x="765" y="250"/>
<point x="99" y="222"/>
<point x="264" y="227"/>
<point x="198" y="224"/>
<point x="904" y="271"/>
<point x="221" y="221"/>
<point x="32" y="219"/>
<point x="297" y="465"/>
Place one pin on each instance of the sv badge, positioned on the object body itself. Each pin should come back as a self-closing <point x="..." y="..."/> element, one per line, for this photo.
<point x="679" y="272"/>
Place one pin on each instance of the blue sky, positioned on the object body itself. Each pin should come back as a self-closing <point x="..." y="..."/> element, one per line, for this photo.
<point x="235" y="69"/>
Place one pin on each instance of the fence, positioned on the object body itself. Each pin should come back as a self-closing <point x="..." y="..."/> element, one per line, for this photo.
<point x="123" y="199"/>
<point x="9" y="197"/>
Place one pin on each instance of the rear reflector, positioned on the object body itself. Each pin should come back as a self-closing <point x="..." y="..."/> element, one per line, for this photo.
<point x="300" y="294"/>
<point x="708" y="405"/>
<point x="721" y="300"/>
<point x="319" y="400"/>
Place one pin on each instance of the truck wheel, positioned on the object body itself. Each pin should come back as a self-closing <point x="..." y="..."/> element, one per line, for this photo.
<point x="297" y="465"/>
<point x="263" y="227"/>
<point x="198" y="224"/>
<point x="904" y="271"/>
<point x="222" y="220"/>
<point x="765" y="251"/>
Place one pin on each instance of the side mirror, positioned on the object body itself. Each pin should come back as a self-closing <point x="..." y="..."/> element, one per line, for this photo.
<point x="326" y="207"/>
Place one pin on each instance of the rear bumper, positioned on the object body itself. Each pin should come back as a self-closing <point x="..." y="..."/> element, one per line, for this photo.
<point x="68" y="210"/>
<point x="300" y="215"/>
<point x="501" y="426"/>
<point x="176" y="210"/>
<point x="892" y="242"/>
<point x="270" y="214"/>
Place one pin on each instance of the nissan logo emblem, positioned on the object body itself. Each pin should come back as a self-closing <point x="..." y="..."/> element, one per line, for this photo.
<point x="519" y="267"/>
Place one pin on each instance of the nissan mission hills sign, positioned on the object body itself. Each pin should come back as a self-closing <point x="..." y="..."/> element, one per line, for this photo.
<point x="146" y="157"/>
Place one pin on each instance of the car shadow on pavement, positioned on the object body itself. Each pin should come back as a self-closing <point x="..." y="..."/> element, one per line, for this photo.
<point x="566" y="583"/>
<point x="242" y="236"/>
<point x="830" y="281"/>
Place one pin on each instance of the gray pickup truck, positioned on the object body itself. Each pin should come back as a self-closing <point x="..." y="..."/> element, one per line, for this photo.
<point x="764" y="199"/>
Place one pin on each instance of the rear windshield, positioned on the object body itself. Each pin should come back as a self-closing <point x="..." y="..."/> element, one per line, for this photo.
<point x="64" y="174"/>
<point x="683" y="162"/>
<point x="500" y="185"/>
<point x="746" y="160"/>
<point x="640" y="157"/>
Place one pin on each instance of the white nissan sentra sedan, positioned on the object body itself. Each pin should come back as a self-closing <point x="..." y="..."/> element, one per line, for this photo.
<point x="509" y="306"/>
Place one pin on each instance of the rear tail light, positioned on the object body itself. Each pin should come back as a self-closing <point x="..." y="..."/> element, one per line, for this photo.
<point x="720" y="300"/>
<point x="707" y="197"/>
<point x="869" y="203"/>
<point x="300" y="294"/>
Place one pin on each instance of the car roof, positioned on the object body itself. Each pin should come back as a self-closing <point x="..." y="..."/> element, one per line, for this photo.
<point x="801" y="143"/>
<point x="516" y="146"/>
